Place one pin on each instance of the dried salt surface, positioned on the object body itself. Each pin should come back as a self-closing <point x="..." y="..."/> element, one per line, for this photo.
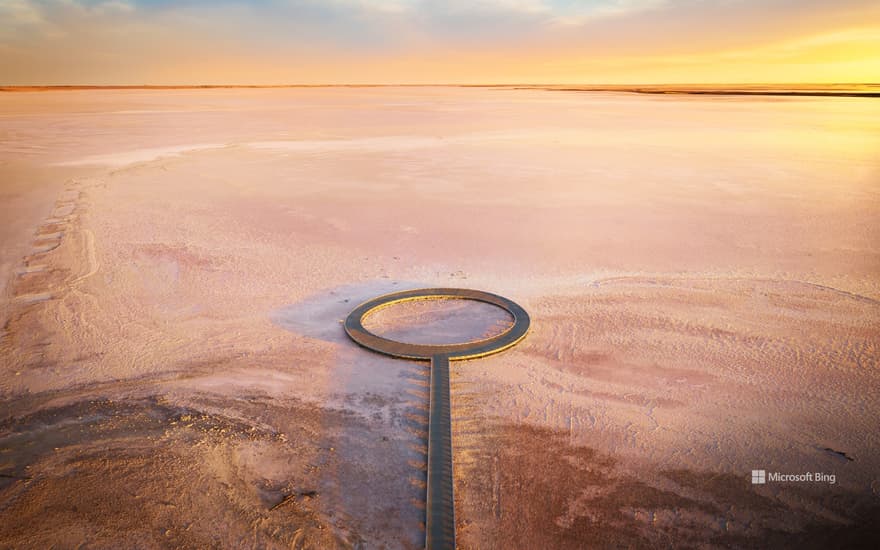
<point x="701" y="274"/>
<point x="139" y="155"/>
<point x="438" y="321"/>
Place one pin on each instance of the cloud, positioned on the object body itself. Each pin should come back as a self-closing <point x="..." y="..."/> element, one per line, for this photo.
<point x="114" y="6"/>
<point x="19" y="13"/>
<point x="581" y="14"/>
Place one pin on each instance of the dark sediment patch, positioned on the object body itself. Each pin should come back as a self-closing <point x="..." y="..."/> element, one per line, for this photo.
<point x="520" y="486"/>
<point x="144" y="473"/>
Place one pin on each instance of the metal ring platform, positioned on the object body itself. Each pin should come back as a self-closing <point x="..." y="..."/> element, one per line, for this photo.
<point x="440" y="502"/>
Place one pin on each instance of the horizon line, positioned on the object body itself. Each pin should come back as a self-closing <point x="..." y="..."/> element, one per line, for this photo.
<point x="796" y="89"/>
<point x="422" y="84"/>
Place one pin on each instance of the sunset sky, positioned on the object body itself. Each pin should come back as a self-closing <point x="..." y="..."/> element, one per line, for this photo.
<point x="47" y="42"/>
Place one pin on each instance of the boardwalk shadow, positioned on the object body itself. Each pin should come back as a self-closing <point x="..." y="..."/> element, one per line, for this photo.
<point x="375" y="480"/>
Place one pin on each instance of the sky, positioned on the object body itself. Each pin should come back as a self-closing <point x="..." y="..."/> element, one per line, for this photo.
<point x="165" y="42"/>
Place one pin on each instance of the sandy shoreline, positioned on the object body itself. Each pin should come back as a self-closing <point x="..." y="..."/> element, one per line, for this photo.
<point x="704" y="296"/>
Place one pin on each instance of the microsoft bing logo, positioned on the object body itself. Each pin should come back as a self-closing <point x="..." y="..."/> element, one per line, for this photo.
<point x="759" y="477"/>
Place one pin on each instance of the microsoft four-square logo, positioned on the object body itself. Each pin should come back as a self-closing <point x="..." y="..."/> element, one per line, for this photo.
<point x="759" y="477"/>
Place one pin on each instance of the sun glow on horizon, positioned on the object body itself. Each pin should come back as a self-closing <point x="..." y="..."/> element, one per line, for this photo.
<point x="59" y="42"/>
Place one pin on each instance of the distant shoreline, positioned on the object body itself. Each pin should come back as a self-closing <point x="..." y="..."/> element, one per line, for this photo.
<point x="721" y="92"/>
<point x="781" y="90"/>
